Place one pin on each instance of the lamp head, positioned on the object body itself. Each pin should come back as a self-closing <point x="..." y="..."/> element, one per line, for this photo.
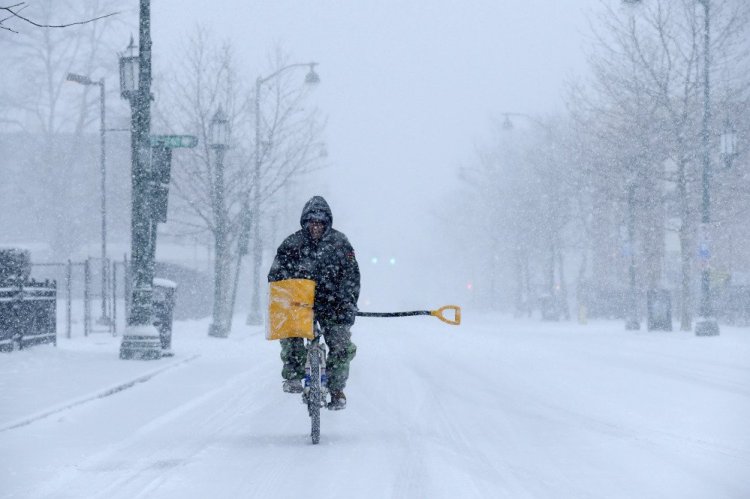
<point x="129" y="72"/>
<point x="312" y="77"/>
<point x="507" y="124"/>
<point x="131" y="47"/>
<point x="218" y="130"/>
<point x="728" y="143"/>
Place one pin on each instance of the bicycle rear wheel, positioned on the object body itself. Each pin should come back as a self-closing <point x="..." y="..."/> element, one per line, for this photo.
<point x="313" y="399"/>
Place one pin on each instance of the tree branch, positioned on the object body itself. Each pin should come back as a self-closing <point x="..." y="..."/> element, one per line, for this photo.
<point x="14" y="12"/>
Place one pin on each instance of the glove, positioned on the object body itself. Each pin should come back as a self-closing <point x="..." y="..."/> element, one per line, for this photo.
<point x="348" y="313"/>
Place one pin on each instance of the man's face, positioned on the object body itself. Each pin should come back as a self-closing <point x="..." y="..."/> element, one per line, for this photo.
<point x="316" y="228"/>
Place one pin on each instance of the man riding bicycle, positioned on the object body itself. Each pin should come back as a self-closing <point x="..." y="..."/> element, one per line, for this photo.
<point x="324" y="255"/>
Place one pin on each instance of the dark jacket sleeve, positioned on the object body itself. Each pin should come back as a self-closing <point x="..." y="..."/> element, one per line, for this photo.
<point x="281" y="266"/>
<point x="350" y="284"/>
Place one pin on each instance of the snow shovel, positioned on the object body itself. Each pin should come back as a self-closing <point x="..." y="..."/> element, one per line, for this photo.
<point x="437" y="313"/>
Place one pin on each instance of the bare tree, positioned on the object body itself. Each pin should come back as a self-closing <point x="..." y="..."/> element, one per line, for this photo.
<point x="289" y="146"/>
<point x="648" y="92"/>
<point x="209" y="181"/>
<point x="518" y="200"/>
<point x="14" y="12"/>
<point x="43" y="107"/>
<point x="214" y="202"/>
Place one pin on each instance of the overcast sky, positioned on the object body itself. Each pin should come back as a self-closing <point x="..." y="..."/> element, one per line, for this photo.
<point x="409" y="88"/>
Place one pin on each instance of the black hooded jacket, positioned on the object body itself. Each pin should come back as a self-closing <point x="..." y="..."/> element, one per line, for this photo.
<point x="330" y="263"/>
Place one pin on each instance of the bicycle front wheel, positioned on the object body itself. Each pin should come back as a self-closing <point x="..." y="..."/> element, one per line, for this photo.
<point x="313" y="399"/>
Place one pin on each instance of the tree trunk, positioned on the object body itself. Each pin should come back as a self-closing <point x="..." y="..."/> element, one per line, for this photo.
<point x="565" y="309"/>
<point x="653" y="236"/>
<point x="521" y="298"/>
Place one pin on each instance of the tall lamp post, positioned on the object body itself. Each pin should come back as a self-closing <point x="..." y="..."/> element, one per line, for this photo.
<point x="219" y="142"/>
<point x="85" y="80"/>
<point x="707" y="324"/>
<point x="255" y="317"/>
<point x="141" y="338"/>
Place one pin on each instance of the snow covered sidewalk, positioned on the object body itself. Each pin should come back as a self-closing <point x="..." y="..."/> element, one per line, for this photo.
<point x="43" y="380"/>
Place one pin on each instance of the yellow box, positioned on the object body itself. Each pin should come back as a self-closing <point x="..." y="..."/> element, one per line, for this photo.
<point x="290" y="309"/>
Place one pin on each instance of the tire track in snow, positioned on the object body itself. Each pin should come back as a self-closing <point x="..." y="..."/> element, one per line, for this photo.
<point x="163" y="472"/>
<point x="430" y="426"/>
<point x="495" y="478"/>
<point x="227" y="419"/>
<point x="102" y="474"/>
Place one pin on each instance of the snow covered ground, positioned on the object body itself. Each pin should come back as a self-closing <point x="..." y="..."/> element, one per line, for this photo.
<point x="495" y="408"/>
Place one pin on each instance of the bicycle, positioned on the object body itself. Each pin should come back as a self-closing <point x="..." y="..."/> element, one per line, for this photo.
<point x="290" y="315"/>
<point x="315" y="388"/>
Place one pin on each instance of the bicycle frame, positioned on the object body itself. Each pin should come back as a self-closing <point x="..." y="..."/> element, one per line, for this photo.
<point x="315" y="390"/>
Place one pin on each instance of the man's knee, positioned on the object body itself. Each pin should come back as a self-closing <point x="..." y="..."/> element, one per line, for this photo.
<point x="342" y="353"/>
<point x="351" y="351"/>
<point x="293" y="356"/>
<point x="292" y="350"/>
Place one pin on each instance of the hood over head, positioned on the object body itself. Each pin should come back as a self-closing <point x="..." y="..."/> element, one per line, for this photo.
<point x="316" y="209"/>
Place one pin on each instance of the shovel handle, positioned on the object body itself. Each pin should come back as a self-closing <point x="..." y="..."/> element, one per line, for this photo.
<point x="456" y="314"/>
<point x="439" y="313"/>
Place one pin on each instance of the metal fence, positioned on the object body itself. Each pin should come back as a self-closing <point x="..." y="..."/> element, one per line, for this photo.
<point x="28" y="315"/>
<point x="90" y="303"/>
<point x="81" y="295"/>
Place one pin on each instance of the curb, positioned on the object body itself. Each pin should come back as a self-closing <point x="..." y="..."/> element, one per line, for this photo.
<point x="98" y="395"/>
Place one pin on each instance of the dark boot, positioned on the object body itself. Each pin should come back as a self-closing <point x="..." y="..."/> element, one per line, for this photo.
<point x="292" y="386"/>
<point x="338" y="400"/>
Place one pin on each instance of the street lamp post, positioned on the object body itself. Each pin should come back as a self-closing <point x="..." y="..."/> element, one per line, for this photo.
<point x="706" y="324"/>
<point x="85" y="80"/>
<point x="255" y="317"/>
<point x="219" y="142"/>
<point x="141" y="338"/>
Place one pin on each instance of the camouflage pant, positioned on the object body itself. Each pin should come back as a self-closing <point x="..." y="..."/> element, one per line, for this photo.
<point x="341" y="351"/>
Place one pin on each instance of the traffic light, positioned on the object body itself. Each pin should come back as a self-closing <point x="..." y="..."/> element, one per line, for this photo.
<point x="161" y="165"/>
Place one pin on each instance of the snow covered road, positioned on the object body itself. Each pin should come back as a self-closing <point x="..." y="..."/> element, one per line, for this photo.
<point x="494" y="408"/>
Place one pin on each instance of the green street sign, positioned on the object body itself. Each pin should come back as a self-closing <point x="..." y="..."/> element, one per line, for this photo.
<point x="173" y="141"/>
